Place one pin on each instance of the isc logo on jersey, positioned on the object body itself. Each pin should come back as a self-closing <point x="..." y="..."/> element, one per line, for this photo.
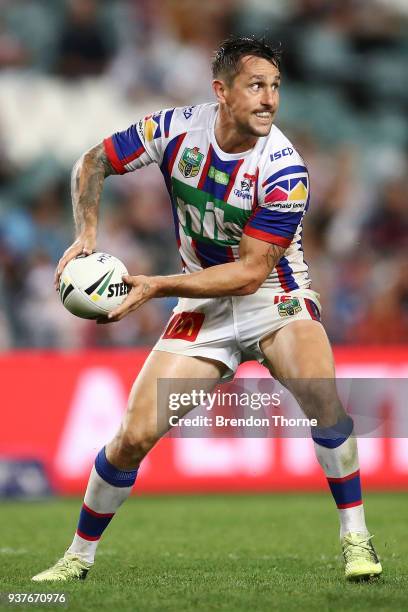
<point x="188" y="111"/>
<point x="282" y="153"/>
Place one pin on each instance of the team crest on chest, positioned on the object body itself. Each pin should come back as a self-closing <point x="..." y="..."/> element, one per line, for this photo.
<point x="190" y="162"/>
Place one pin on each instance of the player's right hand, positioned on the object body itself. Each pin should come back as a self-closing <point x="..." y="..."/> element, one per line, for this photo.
<point x="81" y="246"/>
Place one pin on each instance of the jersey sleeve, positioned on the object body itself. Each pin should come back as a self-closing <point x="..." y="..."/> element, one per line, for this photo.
<point x="141" y="144"/>
<point x="283" y="198"/>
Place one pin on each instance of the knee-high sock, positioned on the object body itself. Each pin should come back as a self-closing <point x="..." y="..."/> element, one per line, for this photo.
<point x="107" y="489"/>
<point x="336" y="451"/>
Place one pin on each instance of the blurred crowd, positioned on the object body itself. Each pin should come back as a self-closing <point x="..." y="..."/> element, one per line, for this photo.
<point x="72" y="71"/>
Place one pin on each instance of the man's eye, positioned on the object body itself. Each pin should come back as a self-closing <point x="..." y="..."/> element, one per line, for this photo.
<point x="255" y="86"/>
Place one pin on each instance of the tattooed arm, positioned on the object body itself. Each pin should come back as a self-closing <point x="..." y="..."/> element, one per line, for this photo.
<point x="87" y="178"/>
<point x="242" y="277"/>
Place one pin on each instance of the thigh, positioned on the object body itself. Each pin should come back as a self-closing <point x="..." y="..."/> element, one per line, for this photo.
<point x="143" y="416"/>
<point x="263" y="314"/>
<point x="299" y="355"/>
<point x="300" y="349"/>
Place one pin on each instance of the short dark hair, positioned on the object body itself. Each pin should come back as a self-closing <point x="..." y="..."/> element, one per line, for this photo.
<point x="227" y="58"/>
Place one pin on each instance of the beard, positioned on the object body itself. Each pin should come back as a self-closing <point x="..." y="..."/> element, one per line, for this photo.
<point x="251" y="128"/>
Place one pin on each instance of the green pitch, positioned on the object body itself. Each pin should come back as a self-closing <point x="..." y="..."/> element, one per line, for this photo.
<point x="229" y="553"/>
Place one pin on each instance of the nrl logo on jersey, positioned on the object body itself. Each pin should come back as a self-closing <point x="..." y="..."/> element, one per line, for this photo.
<point x="190" y="162"/>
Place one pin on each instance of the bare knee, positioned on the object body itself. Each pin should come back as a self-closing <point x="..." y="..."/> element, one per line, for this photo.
<point x="319" y="400"/>
<point x="129" y="447"/>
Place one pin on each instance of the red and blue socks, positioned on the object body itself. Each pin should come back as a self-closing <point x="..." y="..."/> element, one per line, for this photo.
<point x="107" y="489"/>
<point x="336" y="451"/>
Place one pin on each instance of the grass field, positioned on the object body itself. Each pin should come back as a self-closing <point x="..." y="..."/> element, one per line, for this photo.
<point x="230" y="553"/>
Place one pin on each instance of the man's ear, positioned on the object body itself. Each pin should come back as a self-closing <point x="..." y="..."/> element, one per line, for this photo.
<point x="219" y="88"/>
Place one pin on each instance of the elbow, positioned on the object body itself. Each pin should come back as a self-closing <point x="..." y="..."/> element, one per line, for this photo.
<point x="251" y="287"/>
<point x="252" y="275"/>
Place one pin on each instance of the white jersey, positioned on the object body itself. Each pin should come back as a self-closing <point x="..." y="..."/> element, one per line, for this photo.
<point x="217" y="196"/>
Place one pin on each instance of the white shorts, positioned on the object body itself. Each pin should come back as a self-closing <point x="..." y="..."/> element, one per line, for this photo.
<point x="229" y="329"/>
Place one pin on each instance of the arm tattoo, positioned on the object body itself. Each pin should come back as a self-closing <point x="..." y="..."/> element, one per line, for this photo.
<point x="273" y="255"/>
<point x="87" y="178"/>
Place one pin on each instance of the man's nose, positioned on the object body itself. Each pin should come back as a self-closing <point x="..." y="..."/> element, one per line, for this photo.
<point x="268" y="97"/>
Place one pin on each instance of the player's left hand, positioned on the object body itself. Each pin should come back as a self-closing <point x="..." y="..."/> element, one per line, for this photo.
<point x="141" y="291"/>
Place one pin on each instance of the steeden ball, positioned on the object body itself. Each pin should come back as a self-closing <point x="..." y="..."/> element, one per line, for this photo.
<point x="92" y="286"/>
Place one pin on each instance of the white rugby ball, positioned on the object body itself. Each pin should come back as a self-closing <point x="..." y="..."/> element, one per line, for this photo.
<point x="91" y="286"/>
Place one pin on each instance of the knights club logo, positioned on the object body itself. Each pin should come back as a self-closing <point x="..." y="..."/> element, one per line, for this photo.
<point x="246" y="185"/>
<point x="190" y="162"/>
<point x="248" y="182"/>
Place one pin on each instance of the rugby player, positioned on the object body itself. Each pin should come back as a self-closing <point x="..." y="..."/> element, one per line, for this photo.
<point x="239" y="191"/>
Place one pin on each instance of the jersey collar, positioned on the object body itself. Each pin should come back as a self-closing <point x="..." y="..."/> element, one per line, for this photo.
<point x="229" y="156"/>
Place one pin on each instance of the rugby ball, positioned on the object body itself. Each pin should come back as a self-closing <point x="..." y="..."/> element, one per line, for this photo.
<point x="91" y="286"/>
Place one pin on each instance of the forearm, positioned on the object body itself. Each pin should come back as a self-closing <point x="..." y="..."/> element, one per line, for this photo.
<point x="88" y="175"/>
<point x="242" y="277"/>
<point x="225" y="279"/>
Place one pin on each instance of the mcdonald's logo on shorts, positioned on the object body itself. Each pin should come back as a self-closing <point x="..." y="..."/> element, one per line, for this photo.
<point x="184" y="326"/>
